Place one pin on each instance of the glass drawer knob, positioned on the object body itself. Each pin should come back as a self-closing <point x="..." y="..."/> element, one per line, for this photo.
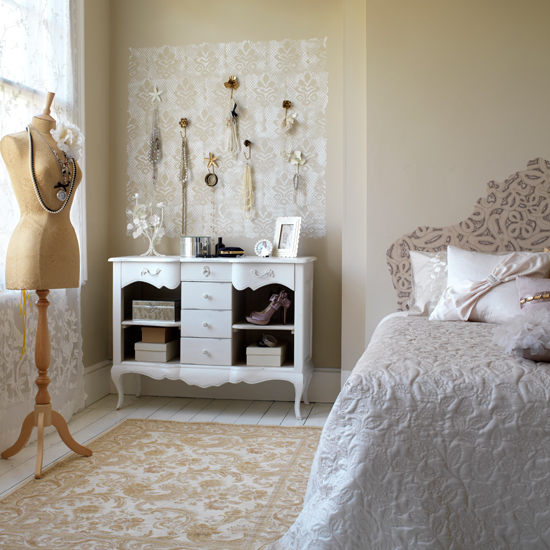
<point x="205" y="296"/>
<point x="205" y="324"/>
<point x="204" y="352"/>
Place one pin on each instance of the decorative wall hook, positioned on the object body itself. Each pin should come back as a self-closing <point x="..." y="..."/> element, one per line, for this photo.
<point x="287" y="105"/>
<point x="184" y="123"/>
<point x="232" y="84"/>
<point x="211" y="179"/>
<point x="286" y="123"/>
<point x="247" y="144"/>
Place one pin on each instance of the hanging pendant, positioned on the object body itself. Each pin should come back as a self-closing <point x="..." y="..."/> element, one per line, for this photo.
<point x="61" y="195"/>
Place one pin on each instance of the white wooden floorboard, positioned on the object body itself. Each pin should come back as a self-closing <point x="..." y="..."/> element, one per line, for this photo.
<point x="148" y="408"/>
<point x="233" y="411"/>
<point x="194" y="408"/>
<point x="171" y="408"/>
<point x="212" y="410"/>
<point x="254" y="413"/>
<point x="276" y="413"/>
<point x="318" y="415"/>
<point x="290" y="418"/>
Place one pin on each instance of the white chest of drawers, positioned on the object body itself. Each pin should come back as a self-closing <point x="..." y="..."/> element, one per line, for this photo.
<point x="216" y="295"/>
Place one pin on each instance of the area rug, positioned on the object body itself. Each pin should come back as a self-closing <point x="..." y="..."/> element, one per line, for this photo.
<point x="154" y="484"/>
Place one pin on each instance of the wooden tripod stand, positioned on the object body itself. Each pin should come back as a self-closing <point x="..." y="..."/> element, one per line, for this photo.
<point x="43" y="415"/>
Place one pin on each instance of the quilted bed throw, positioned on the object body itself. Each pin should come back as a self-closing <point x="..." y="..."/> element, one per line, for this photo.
<point x="438" y="440"/>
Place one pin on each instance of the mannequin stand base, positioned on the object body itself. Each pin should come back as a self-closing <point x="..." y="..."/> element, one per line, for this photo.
<point x="41" y="418"/>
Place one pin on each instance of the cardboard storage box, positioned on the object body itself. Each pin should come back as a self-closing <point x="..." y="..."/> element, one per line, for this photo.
<point x="257" y="356"/>
<point x="156" y="353"/>
<point x="150" y="310"/>
<point x="157" y="335"/>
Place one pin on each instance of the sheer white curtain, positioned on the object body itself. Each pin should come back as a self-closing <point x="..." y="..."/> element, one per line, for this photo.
<point x="37" y="53"/>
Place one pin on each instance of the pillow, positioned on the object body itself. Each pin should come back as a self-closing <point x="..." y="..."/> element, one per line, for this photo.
<point x="481" y="287"/>
<point x="529" y="290"/>
<point x="429" y="280"/>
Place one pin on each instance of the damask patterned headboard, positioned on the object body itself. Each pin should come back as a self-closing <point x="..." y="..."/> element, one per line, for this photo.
<point x="514" y="216"/>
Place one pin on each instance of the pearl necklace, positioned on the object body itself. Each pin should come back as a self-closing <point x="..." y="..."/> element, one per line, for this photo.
<point x="35" y="184"/>
<point x="63" y="168"/>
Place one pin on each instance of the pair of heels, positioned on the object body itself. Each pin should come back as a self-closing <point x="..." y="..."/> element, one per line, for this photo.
<point x="277" y="301"/>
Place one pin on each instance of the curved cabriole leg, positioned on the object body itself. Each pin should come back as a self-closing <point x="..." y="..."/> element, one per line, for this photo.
<point x="299" y="388"/>
<point x="116" y="377"/>
<point x="61" y="426"/>
<point x="26" y="431"/>
<point x="306" y="388"/>
<point x="138" y="385"/>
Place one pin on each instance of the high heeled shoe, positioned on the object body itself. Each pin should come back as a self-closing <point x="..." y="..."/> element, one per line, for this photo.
<point x="277" y="301"/>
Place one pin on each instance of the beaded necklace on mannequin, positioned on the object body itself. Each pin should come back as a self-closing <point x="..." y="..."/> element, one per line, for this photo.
<point x="64" y="170"/>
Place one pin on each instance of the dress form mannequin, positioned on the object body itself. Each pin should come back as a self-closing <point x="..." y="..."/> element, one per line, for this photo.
<point x="43" y="253"/>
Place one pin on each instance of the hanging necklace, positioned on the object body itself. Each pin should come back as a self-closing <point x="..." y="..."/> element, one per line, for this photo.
<point x="63" y="168"/>
<point x="246" y="200"/>
<point x="35" y="184"/>
<point x="184" y="175"/>
<point x="155" y="144"/>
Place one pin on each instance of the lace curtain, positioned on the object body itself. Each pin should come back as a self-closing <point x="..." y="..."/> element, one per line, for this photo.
<point x="37" y="55"/>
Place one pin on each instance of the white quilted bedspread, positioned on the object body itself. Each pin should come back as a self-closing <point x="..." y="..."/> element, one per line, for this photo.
<point x="438" y="440"/>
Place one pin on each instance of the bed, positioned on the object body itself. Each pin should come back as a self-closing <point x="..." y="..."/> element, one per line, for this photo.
<point x="439" y="439"/>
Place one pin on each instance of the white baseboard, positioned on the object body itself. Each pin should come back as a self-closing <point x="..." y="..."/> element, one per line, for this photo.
<point x="97" y="381"/>
<point x="324" y="388"/>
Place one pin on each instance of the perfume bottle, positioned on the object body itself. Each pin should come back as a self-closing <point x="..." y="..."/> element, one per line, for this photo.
<point x="219" y="245"/>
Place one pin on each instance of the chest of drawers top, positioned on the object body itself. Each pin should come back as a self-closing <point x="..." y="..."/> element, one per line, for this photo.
<point x="248" y="271"/>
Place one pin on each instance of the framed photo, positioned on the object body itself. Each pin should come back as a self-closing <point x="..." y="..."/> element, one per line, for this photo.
<point x="263" y="248"/>
<point x="287" y="236"/>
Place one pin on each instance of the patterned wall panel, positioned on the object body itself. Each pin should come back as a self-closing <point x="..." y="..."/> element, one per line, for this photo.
<point x="191" y="78"/>
<point x="514" y="216"/>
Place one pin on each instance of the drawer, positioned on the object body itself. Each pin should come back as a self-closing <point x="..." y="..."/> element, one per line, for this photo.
<point x="206" y="271"/>
<point x="206" y="351"/>
<point x="158" y="274"/>
<point x="206" y="295"/>
<point x="197" y="323"/>
<point x="256" y="275"/>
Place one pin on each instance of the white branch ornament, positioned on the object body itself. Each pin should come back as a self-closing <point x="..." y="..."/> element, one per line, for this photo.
<point x="147" y="224"/>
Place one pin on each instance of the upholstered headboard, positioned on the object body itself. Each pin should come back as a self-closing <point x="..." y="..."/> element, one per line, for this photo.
<point x="515" y="215"/>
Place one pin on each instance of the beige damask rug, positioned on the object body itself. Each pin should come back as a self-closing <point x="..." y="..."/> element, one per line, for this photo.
<point x="154" y="484"/>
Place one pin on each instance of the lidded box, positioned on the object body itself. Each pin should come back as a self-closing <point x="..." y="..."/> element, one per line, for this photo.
<point x="257" y="356"/>
<point x="147" y="310"/>
<point x="156" y="353"/>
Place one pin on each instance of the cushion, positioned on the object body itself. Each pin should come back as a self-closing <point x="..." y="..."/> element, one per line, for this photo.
<point x="530" y="287"/>
<point x="481" y="287"/>
<point x="429" y="280"/>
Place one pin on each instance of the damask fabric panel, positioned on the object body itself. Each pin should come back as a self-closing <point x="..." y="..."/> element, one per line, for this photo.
<point x="192" y="81"/>
<point x="437" y="440"/>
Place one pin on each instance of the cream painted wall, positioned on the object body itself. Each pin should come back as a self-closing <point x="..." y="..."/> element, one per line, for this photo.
<point x="457" y="95"/>
<point x="145" y="23"/>
<point x="96" y="309"/>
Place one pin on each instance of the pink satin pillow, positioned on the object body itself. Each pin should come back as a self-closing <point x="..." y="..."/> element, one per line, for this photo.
<point x="530" y="287"/>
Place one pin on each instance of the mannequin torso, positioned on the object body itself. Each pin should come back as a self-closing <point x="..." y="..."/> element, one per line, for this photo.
<point x="43" y="252"/>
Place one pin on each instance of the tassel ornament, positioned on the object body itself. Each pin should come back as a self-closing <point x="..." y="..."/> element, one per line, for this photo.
<point x="246" y="200"/>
